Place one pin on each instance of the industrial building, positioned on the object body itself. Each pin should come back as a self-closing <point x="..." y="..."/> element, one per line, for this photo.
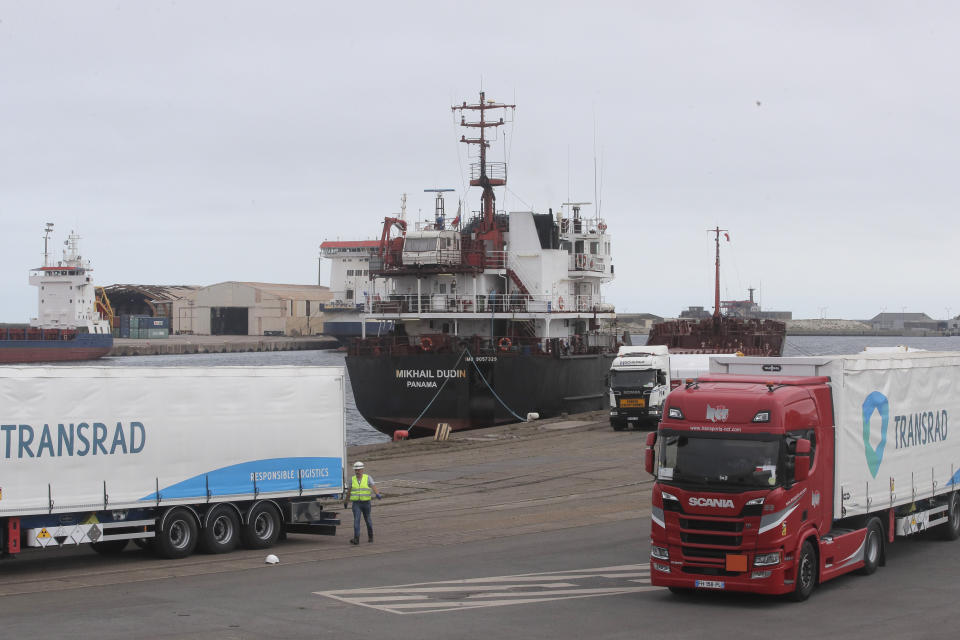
<point x="227" y="308"/>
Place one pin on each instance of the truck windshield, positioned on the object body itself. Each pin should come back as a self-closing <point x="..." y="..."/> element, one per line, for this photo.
<point x="633" y="379"/>
<point x="717" y="461"/>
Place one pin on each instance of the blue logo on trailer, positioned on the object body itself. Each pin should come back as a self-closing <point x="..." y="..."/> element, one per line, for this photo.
<point x="878" y="402"/>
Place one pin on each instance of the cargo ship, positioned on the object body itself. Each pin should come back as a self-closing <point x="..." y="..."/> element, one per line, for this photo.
<point x="69" y="325"/>
<point x="720" y="333"/>
<point x="494" y="316"/>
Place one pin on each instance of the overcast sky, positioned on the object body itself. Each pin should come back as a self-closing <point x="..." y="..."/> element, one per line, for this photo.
<point x="197" y="142"/>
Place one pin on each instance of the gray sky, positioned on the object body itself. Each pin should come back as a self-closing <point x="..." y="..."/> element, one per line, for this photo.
<point x="197" y="142"/>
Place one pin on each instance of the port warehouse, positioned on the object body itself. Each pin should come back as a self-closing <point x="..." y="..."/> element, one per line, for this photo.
<point x="225" y="308"/>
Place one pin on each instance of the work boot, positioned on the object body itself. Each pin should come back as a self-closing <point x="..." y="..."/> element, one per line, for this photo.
<point x="354" y="540"/>
<point x="370" y="538"/>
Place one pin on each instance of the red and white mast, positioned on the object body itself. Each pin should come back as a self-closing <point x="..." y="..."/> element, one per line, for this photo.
<point x="487" y="175"/>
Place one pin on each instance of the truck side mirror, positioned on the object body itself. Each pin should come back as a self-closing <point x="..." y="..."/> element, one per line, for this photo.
<point x="801" y="468"/>
<point x="648" y="454"/>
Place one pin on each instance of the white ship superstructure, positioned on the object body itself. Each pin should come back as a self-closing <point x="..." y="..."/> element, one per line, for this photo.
<point x="66" y="295"/>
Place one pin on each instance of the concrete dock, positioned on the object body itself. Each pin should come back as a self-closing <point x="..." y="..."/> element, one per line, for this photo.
<point x="181" y="344"/>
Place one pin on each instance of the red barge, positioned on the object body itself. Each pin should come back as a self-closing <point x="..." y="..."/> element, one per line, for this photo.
<point x="721" y="333"/>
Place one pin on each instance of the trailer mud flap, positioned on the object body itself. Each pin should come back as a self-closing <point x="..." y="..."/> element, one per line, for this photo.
<point x="13" y="536"/>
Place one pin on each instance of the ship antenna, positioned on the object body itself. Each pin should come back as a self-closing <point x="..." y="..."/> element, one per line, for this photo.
<point x="46" y="238"/>
<point x="716" y="292"/>
<point x="439" y="214"/>
<point x="485" y="176"/>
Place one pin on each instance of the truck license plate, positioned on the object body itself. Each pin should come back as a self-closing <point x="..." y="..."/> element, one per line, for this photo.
<point x="638" y="403"/>
<point x="709" y="584"/>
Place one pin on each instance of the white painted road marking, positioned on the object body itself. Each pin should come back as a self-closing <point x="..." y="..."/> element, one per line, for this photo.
<point x="498" y="591"/>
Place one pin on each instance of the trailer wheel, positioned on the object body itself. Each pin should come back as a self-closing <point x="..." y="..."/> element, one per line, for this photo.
<point x="178" y="538"/>
<point x="222" y="531"/>
<point x="806" y="579"/>
<point x="951" y="530"/>
<point x="872" y="547"/>
<point x="262" y="528"/>
<point x="110" y="547"/>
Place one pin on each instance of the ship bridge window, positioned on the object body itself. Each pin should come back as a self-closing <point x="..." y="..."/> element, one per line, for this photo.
<point x="420" y="244"/>
<point x="578" y="246"/>
<point x="594" y="248"/>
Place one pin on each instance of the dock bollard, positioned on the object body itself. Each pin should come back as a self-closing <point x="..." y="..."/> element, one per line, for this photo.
<point x="400" y="434"/>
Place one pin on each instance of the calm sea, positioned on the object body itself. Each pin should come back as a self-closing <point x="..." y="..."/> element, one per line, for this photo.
<point x="359" y="432"/>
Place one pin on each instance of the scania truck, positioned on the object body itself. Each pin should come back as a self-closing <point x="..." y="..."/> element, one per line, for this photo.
<point x="174" y="459"/>
<point x="774" y="475"/>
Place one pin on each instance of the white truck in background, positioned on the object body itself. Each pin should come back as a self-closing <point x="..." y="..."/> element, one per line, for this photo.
<point x="641" y="377"/>
<point x="172" y="458"/>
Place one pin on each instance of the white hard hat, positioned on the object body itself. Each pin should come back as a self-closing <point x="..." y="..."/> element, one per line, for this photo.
<point x="272" y="559"/>
<point x="358" y="465"/>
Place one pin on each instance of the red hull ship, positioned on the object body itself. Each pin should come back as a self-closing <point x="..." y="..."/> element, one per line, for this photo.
<point x="720" y="333"/>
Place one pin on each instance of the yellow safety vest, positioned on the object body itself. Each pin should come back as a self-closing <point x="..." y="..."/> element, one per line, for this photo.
<point x="360" y="490"/>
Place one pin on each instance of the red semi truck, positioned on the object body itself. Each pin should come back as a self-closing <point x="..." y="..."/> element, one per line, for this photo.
<point x="776" y="474"/>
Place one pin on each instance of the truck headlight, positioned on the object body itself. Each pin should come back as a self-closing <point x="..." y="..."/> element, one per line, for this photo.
<point x="766" y="559"/>
<point x="659" y="553"/>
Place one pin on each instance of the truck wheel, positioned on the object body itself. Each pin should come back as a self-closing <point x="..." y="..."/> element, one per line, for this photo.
<point x="262" y="528"/>
<point x="222" y="531"/>
<point x="806" y="579"/>
<point x="951" y="528"/>
<point x="110" y="547"/>
<point x="178" y="538"/>
<point x="872" y="547"/>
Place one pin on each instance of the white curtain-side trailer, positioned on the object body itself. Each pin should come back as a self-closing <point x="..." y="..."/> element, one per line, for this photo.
<point x="170" y="457"/>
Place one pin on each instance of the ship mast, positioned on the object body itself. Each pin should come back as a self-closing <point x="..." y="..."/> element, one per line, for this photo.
<point x="487" y="176"/>
<point x="716" y="291"/>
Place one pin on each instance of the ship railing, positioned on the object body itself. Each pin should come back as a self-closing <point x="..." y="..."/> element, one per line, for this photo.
<point x="581" y="226"/>
<point x="483" y="347"/>
<point x="496" y="171"/>
<point x="514" y="302"/>
<point x="586" y="262"/>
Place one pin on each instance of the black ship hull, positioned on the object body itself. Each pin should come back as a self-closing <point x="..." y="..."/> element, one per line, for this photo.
<point x="392" y="391"/>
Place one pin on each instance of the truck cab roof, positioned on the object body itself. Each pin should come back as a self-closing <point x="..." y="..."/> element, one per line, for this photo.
<point x="742" y="404"/>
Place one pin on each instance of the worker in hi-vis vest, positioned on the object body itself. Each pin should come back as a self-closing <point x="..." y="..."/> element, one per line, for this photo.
<point x="361" y="489"/>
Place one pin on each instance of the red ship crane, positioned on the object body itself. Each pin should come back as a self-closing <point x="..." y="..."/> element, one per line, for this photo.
<point x="486" y="176"/>
<point x="716" y="291"/>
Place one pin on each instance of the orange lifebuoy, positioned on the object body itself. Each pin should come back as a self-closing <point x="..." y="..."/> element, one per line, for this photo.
<point x="505" y="343"/>
<point x="560" y="303"/>
<point x="426" y="343"/>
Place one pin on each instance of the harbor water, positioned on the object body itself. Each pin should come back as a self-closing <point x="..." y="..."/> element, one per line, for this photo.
<point x="359" y="432"/>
